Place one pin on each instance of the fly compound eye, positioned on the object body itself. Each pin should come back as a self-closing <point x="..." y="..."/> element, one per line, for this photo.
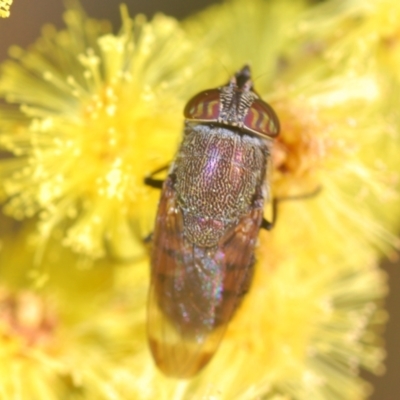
<point x="261" y="119"/>
<point x="205" y="106"/>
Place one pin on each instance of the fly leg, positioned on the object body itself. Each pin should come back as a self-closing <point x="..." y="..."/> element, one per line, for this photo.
<point x="268" y="225"/>
<point x="153" y="182"/>
<point x="156" y="184"/>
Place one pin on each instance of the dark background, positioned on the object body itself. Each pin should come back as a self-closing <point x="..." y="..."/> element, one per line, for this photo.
<point x="23" y="27"/>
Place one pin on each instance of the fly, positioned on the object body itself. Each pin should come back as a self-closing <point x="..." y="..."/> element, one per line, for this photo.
<point x="207" y="224"/>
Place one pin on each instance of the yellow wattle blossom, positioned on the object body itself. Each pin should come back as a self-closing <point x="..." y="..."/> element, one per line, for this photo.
<point x="355" y="30"/>
<point x="5" y="8"/>
<point x="55" y="340"/>
<point x="95" y="112"/>
<point x="106" y="116"/>
<point x="73" y="313"/>
<point x="335" y="133"/>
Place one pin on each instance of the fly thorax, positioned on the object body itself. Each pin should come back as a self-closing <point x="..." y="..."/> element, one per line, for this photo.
<point x="218" y="172"/>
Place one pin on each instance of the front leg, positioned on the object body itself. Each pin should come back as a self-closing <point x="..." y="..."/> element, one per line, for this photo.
<point x="268" y="225"/>
<point x="153" y="182"/>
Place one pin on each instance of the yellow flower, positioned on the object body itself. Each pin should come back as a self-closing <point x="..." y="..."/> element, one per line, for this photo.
<point x="335" y="134"/>
<point x="75" y="328"/>
<point x="97" y="113"/>
<point x="364" y="35"/>
<point x="57" y="321"/>
<point x="5" y="8"/>
<point x="100" y="111"/>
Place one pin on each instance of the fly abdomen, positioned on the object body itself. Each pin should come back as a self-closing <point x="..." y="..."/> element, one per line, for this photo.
<point x="205" y="296"/>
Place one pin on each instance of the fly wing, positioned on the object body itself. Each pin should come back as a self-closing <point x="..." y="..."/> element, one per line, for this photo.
<point x="195" y="290"/>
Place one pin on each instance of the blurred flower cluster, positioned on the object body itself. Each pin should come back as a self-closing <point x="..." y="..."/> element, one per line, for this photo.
<point x="5" y="8"/>
<point x="86" y="114"/>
